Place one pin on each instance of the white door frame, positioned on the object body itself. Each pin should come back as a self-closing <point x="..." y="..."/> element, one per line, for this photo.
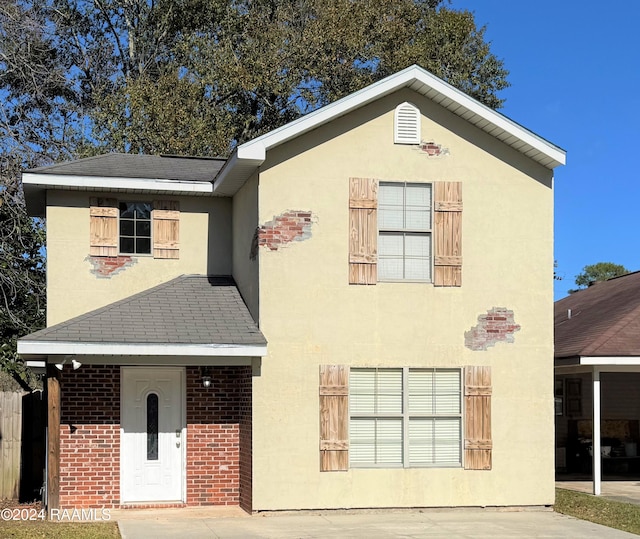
<point x="183" y="422"/>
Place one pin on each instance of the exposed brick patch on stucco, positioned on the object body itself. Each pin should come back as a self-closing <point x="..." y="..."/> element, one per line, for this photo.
<point x="90" y="437"/>
<point x="498" y="325"/>
<point x="292" y="225"/>
<point x="432" y="149"/>
<point x="106" y="267"/>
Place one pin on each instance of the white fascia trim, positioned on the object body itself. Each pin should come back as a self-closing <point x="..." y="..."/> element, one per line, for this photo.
<point x="36" y="364"/>
<point x="610" y="360"/>
<point x="44" y="348"/>
<point x="252" y="156"/>
<point x="404" y="78"/>
<point x="105" y="182"/>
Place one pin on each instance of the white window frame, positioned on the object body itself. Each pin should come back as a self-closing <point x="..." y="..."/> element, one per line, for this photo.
<point x="406" y="415"/>
<point x="120" y="235"/>
<point x="405" y="231"/>
<point x="406" y="124"/>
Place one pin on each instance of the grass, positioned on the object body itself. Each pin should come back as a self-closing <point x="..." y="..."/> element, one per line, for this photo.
<point x="618" y="515"/>
<point x="59" y="530"/>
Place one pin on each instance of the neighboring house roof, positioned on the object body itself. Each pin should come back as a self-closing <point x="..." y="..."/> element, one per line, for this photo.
<point x="120" y="172"/>
<point x="602" y="320"/>
<point x="190" y="315"/>
<point x="250" y="155"/>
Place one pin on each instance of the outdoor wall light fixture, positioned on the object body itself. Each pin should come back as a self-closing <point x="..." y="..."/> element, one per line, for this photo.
<point x="206" y="377"/>
<point x="75" y="364"/>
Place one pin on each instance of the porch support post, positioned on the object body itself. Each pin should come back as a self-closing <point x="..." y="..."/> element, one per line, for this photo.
<point x="597" y="453"/>
<point x="53" y="437"/>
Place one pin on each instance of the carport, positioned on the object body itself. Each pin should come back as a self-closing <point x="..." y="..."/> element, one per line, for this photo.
<point x="597" y="376"/>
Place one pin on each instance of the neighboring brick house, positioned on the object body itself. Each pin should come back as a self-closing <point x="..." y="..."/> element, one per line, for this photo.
<point x="299" y="327"/>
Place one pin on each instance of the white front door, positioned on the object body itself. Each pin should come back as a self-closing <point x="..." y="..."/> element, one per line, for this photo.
<point x="152" y="434"/>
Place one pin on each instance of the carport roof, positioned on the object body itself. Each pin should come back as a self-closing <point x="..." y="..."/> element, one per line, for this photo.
<point x="189" y="315"/>
<point x="600" y="321"/>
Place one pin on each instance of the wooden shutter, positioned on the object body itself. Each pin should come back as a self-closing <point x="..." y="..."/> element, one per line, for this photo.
<point x="447" y="231"/>
<point x="334" y="418"/>
<point x="103" y="226"/>
<point x="363" y="231"/>
<point x="166" y="229"/>
<point x="477" y="428"/>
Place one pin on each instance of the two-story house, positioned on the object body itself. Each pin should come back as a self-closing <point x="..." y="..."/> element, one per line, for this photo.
<point x="352" y="311"/>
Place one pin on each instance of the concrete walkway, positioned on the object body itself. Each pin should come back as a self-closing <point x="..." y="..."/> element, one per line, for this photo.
<point x="440" y="523"/>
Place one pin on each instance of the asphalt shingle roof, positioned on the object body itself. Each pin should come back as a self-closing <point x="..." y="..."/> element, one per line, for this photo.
<point x="124" y="165"/>
<point x="604" y="321"/>
<point x="191" y="309"/>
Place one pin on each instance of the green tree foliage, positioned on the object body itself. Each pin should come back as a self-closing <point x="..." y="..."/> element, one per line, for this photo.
<point x="22" y="276"/>
<point x="266" y="62"/>
<point x="194" y="77"/>
<point x="199" y="76"/>
<point x="599" y="272"/>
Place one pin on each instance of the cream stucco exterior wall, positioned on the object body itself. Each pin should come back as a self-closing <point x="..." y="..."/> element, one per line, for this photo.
<point x="245" y="260"/>
<point x="311" y="316"/>
<point x="72" y="289"/>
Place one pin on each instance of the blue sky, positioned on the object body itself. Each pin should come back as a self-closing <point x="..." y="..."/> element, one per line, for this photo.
<point x="575" y="80"/>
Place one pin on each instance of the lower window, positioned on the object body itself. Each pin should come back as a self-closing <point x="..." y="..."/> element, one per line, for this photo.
<point x="405" y="417"/>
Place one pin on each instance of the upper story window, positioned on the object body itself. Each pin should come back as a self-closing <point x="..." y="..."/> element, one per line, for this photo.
<point x="135" y="228"/>
<point x="406" y="124"/>
<point x="404" y="232"/>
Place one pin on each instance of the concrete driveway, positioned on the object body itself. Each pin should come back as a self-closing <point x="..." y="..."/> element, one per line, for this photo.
<point x="443" y="523"/>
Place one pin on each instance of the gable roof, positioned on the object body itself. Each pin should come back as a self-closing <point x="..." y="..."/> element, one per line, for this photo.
<point x="602" y="320"/>
<point x="121" y="172"/>
<point x="190" y="315"/>
<point x="250" y="155"/>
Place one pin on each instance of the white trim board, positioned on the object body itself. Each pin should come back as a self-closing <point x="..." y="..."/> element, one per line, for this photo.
<point x="106" y="183"/>
<point x="250" y="155"/>
<point x="46" y="348"/>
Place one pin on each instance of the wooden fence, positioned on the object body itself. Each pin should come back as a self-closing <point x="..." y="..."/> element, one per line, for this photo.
<point x="10" y="444"/>
<point x="21" y="445"/>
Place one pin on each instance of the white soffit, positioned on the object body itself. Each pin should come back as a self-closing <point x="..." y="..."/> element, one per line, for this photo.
<point x="248" y="156"/>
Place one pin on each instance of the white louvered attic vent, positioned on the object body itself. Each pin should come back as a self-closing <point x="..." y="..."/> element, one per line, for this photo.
<point x="407" y="124"/>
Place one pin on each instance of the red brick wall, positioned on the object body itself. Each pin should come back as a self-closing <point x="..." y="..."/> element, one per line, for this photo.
<point x="214" y="418"/>
<point x="246" y="443"/>
<point x="90" y="437"/>
<point x="218" y="437"/>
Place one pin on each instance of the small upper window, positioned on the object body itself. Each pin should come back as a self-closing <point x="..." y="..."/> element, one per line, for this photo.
<point x="135" y="228"/>
<point x="406" y="124"/>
